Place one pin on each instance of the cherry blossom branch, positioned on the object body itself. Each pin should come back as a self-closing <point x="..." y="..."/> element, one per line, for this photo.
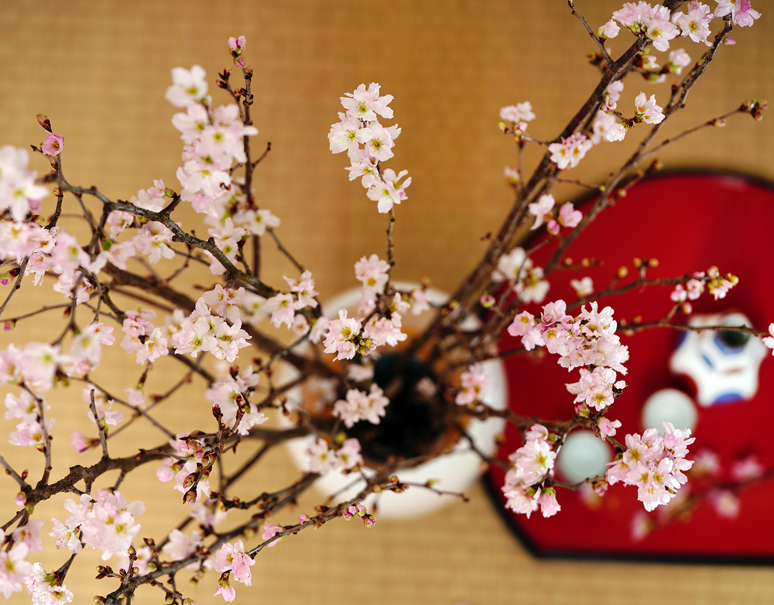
<point x="546" y="169"/>
<point x="16" y="285"/>
<point x="716" y="122"/>
<point x="677" y="101"/>
<point x="263" y="342"/>
<point x="472" y="444"/>
<point x="57" y="211"/>
<point x="226" y="482"/>
<point x="390" y="246"/>
<point x="662" y="323"/>
<point x="562" y="427"/>
<point x="429" y="485"/>
<point x="46" y="436"/>
<point x="639" y="282"/>
<point x="132" y="584"/>
<point x="577" y="182"/>
<point x="697" y="496"/>
<point x="597" y="41"/>
<point x="90" y="474"/>
<point x="178" y="235"/>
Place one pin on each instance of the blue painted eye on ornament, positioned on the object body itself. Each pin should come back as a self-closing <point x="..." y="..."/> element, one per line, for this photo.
<point x="721" y="366"/>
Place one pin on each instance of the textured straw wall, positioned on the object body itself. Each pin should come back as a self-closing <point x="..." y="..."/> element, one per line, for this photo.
<point x="99" y="71"/>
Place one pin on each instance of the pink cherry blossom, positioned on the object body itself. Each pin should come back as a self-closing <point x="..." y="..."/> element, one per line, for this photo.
<point x="569" y="216"/>
<point x="359" y="405"/>
<point x="473" y="384"/>
<point x="225" y="590"/>
<point x="695" y="23"/>
<point x="583" y="287"/>
<point x="570" y="151"/>
<point x="741" y="11"/>
<point x="384" y="330"/>
<point x="678" y="59"/>
<point x="521" y="112"/>
<point x="547" y="501"/>
<point x="348" y="134"/>
<point x="616" y="132"/>
<point x="647" y="109"/>
<point x="725" y="502"/>
<point x="611" y="95"/>
<point x="365" y="104"/>
<point x="53" y="145"/>
<point x="269" y="531"/>
<point x="747" y="469"/>
<point x="237" y="45"/>
<point x="385" y="194"/>
<point x="321" y="458"/>
<point x="13" y="569"/>
<point x="179" y="545"/>
<point x="608" y="427"/>
<point x="348" y="455"/>
<point x="188" y="86"/>
<point x="524" y="322"/>
<point x="341" y="336"/>
<point x="539" y="209"/>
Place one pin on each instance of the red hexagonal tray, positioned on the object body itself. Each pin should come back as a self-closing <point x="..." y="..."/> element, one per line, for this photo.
<point x="689" y="221"/>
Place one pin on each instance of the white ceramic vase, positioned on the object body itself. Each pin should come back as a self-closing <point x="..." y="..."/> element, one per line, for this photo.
<point x="454" y="472"/>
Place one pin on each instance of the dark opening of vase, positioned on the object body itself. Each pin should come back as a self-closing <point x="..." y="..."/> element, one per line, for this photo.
<point x="414" y="424"/>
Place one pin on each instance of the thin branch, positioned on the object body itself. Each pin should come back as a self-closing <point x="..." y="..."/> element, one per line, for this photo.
<point x="9" y="471"/>
<point x="285" y="251"/>
<point x="599" y="43"/>
<point x="98" y="422"/>
<point x="16" y="285"/>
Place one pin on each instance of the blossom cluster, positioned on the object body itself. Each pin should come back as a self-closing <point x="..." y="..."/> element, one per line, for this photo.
<point x="187" y="467"/>
<point x="323" y="459"/>
<point x="659" y="26"/>
<point x="589" y="339"/>
<point x="473" y="382"/>
<point x="231" y="398"/>
<point x="532" y="464"/>
<point x="347" y="336"/>
<point x="220" y="333"/>
<point x="213" y="143"/>
<point x="515" y="268"/>
<point x="718" y="285"/>
<point x="570" y="151"/>
<point x="231" y="558"/>
<point x="15" y="570"/>
<point x="191" y="463"/>
<point x="359" y="405"/>
<point x="43" y="588"/>
<point x="19" y="191"/>
<point x="654" y="464"/>
<point x="597" y="388"/>
<point x="568" y="216"/>
<point x="360" y="126"/>
<point x="104" y="522"/>
<point x="31" y="428"/>
<point x="283" y="307"/>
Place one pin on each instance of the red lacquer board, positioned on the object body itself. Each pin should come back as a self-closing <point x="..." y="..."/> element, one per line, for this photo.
<point x="689" y="222"/>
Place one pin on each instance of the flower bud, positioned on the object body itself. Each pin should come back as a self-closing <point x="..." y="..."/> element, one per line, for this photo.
<point x="44" y="122"/>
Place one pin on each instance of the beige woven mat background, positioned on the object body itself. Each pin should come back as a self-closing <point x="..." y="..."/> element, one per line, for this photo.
<point x="100" y="69"/>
